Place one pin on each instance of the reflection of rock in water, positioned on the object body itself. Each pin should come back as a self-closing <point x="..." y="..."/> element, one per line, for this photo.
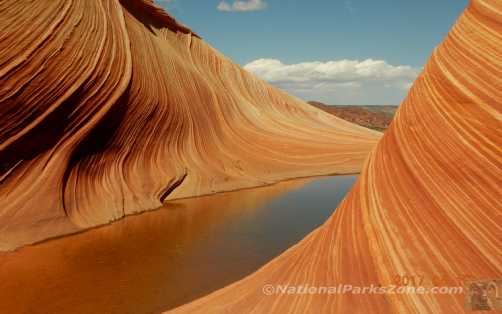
<point x="133" y="265"/>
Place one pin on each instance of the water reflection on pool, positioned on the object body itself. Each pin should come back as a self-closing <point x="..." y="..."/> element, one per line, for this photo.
<point x="158" y="260"/>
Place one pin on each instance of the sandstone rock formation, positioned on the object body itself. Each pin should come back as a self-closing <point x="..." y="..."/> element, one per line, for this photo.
<point x="110" y="107"/>
<point x="427" y="204"/>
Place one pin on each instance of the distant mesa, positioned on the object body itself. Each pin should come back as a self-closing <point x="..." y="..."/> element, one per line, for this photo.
<point x="373" y="117"/>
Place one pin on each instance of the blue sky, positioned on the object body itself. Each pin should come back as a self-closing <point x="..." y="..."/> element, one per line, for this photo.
<point x="336" y="51"/>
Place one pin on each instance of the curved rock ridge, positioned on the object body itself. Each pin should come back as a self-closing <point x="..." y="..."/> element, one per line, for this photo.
<point x="111" y="107"/>
<point x="426" y="205"/>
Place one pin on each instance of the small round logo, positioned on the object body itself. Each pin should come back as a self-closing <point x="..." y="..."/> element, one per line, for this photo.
<point x="268" y="290"/>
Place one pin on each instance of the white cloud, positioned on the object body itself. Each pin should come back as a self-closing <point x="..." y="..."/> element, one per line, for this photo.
<point x="242" y="6"/>
<point x="274" y="70"/>
<point x="349" y="81"/>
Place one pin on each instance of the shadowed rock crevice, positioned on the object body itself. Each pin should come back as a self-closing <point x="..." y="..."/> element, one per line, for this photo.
<point x="99" y="140"/>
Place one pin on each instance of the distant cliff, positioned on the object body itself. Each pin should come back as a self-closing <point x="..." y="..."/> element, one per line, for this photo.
<point x="372" y="117"/>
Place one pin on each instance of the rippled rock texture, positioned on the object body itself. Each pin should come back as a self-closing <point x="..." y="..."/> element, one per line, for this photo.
<point x="427" y="204"/>
<point x="110" y="107"/>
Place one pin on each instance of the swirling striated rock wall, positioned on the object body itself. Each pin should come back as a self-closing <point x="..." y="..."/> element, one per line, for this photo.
<point x="110" y="107"/>
<point x="426" y="206"/>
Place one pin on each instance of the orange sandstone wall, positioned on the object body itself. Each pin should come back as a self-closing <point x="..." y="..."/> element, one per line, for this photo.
<point x="427" y="203"/>
<point x="110" y="107"/>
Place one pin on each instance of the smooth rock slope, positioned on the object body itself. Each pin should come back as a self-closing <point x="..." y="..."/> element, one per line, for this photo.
<point x="110" y="107"/>
<point x="427" y="204"/>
